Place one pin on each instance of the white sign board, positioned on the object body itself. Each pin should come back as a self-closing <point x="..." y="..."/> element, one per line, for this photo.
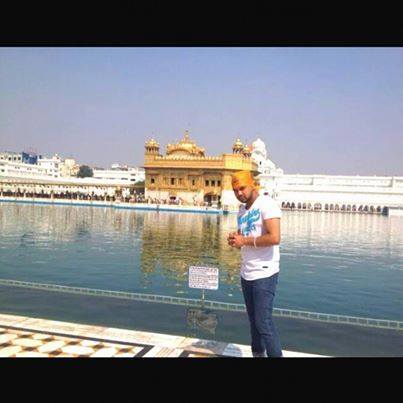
<point x="203" y="277"/>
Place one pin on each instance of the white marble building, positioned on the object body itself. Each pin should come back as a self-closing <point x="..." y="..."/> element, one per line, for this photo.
<point x="16" y="169"/>
<point x="52" y="165"/>
<point x="55" y="177"/>
<point x="45" y="168"/>
<point x="119" y="174"/>
<point x="327" y="192"/>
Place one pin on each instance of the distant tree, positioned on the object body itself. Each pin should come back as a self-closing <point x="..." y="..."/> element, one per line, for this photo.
<point x="85" y="172"/>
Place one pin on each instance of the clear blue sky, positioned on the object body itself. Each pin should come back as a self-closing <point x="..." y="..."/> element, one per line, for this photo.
<point x="319" y="110"/>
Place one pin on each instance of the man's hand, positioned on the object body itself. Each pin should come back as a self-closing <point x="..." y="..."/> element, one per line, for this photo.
<point x="236" y="240"/>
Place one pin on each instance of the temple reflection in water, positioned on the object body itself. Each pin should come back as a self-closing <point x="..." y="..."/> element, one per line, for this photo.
<point x="173" y="242"/>
<point x="166" y="244"/>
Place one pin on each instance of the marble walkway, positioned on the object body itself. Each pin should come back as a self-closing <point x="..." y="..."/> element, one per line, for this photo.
<point x="22" y="336"/>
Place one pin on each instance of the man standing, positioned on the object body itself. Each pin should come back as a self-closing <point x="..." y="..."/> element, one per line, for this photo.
<point x="258" y="237"/>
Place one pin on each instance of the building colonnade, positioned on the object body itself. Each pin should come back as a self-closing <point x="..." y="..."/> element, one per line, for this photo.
<point x="67" y="191"/>
<point x="335" y="207"/>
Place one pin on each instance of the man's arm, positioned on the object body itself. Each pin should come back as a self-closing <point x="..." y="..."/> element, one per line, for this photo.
<point x="272" y="237"/>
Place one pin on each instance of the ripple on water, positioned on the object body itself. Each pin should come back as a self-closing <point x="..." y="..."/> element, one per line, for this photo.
<point x="396" y="268"/>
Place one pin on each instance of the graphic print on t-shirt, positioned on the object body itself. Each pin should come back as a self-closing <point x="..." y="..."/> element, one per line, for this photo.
<point x="246" y="223"/>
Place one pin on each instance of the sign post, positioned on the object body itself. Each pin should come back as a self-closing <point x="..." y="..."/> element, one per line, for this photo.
<point x="203" y="278"/>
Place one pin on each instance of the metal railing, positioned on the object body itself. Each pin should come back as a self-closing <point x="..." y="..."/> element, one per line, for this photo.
<point x="191" y="302"/>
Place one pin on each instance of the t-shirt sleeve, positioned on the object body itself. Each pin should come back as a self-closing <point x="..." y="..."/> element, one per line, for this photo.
<point x="270" y="209"/>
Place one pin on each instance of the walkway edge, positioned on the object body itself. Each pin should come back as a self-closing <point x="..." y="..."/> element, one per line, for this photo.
<point x="108" y="334"/>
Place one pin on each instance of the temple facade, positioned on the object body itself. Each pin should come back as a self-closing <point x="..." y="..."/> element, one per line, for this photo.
<point x="185" y="175"/>
<point x="344" y="193"/>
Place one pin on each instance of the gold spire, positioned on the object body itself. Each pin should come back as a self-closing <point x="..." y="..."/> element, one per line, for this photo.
<point x="237" y="147"/>
<point x="247" y="152"/>
<point x="152" y="143"/>
<point x="152" y="147"/>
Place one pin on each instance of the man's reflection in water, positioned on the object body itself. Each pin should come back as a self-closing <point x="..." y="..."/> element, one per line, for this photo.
<point x="202" y="319"/>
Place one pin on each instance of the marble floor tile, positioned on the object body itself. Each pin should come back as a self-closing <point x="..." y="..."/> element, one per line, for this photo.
<point x="10" y="351"/>
<point x="105" y="352"/>
<point x="89" y="343"/>
<point x="77" y="350"/>
<point x="236" y="350"/>
<point x="202" y="346"/>
<point x="104" y="344"/>
<point x="135" y="350"/>
<point x="31" y="354"/>
<point x="5" y="338"/>
<point x="176" y="352"/>
<point x="165" y="339"/>
<point x="124" y="355"/>
<point x="27" y="342"/>
<point x="130" y="336"/>
<point x="51" y="346"/>
<point x="11" y="320"/>
<point x="153" y="352"/>
<point x="40" y="336"/>
<point x="164" y="352"/>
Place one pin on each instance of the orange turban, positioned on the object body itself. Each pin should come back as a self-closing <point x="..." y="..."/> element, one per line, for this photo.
<point x="243" y="178"/>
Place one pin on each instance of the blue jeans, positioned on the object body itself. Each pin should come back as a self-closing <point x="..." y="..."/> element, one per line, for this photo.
<point x="259" y="296"/>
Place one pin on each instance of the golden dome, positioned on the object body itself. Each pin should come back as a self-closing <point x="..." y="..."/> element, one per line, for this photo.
<point x="247" y="150"/>
<point x="185" y="147"/>
<point x="238" y="143"/>
<point x="237" y="147"/>
<point x="152" y="143"/>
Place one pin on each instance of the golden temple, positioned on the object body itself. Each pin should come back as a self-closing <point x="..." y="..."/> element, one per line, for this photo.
<point x="186" y="175"/>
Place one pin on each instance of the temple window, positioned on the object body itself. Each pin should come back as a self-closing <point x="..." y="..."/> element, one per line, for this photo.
<point x="218" y="183"/>
<point x="152" y="180"/>
<point x="207" y="183"/>
<point x="172" y="181"/>
<point x="212" y="183"/>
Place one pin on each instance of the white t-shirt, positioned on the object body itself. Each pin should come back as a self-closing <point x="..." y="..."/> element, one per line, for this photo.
<point x="263" y="261"/>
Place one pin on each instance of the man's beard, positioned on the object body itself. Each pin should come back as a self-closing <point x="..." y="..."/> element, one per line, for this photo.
<point x="242" y="199"/>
